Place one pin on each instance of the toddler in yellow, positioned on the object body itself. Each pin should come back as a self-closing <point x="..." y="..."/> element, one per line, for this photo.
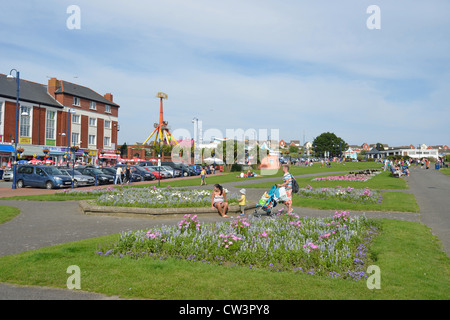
<point x="242" y="202"/>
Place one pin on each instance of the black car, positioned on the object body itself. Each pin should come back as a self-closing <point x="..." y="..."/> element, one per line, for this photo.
<point x="137" y="171"/>
<point x="94" y="172"/>
<point x="112" y="171"/>
<point x="145" y="174"/>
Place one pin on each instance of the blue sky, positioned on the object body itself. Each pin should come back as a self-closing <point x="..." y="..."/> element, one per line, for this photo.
<point x="302" y="67"/>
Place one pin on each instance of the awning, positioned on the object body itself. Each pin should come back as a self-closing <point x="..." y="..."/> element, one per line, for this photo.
<point x="30" y="150"/>
<point x="6" y="148"/>
<point x="108" y="155"/>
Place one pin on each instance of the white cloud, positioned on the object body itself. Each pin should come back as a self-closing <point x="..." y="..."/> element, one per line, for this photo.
<point x="241" y="64"/>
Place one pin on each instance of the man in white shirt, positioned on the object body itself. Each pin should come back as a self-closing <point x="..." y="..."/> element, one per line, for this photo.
<point x="118" y="175"/>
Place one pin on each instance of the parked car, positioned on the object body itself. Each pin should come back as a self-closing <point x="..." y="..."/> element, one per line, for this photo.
<point x="8" y="175"/>
<point x="147" y="163"/>
<point x="79" y="179"/>
<point x="168" y="173"/>
<point x="112" y="171"/>
<point x="156" y="173"/>
<point x="94" y="172"/>
<point x="186" y="171"/>
<point x="138" y="170"/>
<point x="175" y="172"/>
<point x="198" y="168"/>
<point x="41" y="176"/>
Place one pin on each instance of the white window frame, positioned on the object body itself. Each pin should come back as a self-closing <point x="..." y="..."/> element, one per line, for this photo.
<point x="106" y="141"/>
<point x="107" y="124"/>
<point x="92" y="122"/>
<point x="93" y="105"/>
<point x="75" y="138"/>
<point x="76" y="118"/>
<point x="1" y="112"/>
<point x="92" y="140"/>
<point x="76" y="101"/>
<point x="107" y="108"/>
<point x="25" y="122"/>
<point x="50" y="127"/>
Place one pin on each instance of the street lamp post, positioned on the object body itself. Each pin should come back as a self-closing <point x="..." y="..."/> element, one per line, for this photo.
<point x="195" y="122"/>
<point x="10" y="76"/>
<point x="68" y="144"/>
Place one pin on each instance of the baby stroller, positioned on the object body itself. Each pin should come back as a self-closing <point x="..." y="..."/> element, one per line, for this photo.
<point x="268" y="201"/>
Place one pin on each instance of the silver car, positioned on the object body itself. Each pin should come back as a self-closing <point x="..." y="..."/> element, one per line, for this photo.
<point x="8" y="175"/>
<point x="80" y="180"/>
<point x="167" y="173"/>
<point x="174" y="172"/>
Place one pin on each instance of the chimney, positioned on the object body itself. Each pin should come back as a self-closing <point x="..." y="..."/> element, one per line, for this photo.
<point x="109" y="97"/>
<point x="53" y="85"/>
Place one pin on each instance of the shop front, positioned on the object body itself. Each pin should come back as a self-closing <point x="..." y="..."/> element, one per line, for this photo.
<point x="6" y="154"/>
<point x="107" y="157"/>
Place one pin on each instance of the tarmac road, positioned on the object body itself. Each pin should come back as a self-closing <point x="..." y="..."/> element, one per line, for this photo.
<point x="42" y="224"/>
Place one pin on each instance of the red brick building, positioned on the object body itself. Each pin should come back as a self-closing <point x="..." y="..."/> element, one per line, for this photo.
<point x="56" y="116"/>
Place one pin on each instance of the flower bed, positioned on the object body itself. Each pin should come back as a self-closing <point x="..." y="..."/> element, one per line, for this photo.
<point x="361" y="176"/>
<point x="334" y="247"/>
<point x="348" y="194"/>
<point x="151" y="197"/>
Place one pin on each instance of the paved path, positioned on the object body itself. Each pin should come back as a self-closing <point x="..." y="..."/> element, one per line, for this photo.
<point x="32" y="230"/>
<point x="432" y="191"/>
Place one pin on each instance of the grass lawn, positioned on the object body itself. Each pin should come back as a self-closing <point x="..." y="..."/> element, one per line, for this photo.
<point x="8" y="213"/>
<point x="410" y="259"/>
<point x="232" y="177"/>
<point x="392" y="201"/>
<point x="380" y="181"/>
<point x="445" y="171"/>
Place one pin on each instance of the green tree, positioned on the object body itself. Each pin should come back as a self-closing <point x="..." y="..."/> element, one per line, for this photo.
<point x="328" y="142"/>
<point x="293" y="149"/>
<point x="379" y="146"/>
<point x="123" y="150"/>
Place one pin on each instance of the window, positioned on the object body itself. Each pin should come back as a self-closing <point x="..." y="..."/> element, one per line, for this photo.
<point x="26" y="170"/>
<point x="91" y="139"/>
<point x="76" y="101"/>
<point x="40" y="172"/>
<point x="107" y="124"/>
<point x="50" y="129"/>
<point x="25" y="121"/>
<point x="93" y="105"/>
<point x="92" y="122"/>
<point x="75" y="138"/>
<point x="107" y="141"/>
<point x="75" y="118"/>
<point x="1" y="108"/>
<point x="107" y="108"/>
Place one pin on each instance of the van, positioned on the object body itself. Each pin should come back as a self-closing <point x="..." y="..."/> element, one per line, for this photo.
<point x="41" y="176"/>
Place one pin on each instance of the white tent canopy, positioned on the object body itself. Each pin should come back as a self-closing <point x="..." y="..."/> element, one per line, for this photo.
<point x="213" y="160"/>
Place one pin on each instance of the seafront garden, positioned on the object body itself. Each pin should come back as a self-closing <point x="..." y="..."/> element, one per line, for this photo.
<point x="281" y="258"/>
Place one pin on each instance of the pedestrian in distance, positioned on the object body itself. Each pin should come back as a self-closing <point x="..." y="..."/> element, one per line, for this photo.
<point x="118" y="177"/>
<point x="127" y="175"/>
<point x="203" y="176"/>
<point x="287" y="184"/>
<point x="242" y="201"/>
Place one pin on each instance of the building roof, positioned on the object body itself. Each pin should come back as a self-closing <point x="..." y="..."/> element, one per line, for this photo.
<point x="28" y="91"/>
<point x="374" y="150"/>
<point x="82" y="92"/>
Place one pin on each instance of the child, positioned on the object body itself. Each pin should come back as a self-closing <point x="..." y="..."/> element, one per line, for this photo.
<point x="203" y="176"/>
<point x="242" y="202"/>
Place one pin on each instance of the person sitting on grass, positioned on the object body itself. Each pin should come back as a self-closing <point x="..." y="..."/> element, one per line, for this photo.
<point x="219" y="200"/>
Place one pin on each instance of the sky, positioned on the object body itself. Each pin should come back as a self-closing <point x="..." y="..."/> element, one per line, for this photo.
<point x="291" y="68"/>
